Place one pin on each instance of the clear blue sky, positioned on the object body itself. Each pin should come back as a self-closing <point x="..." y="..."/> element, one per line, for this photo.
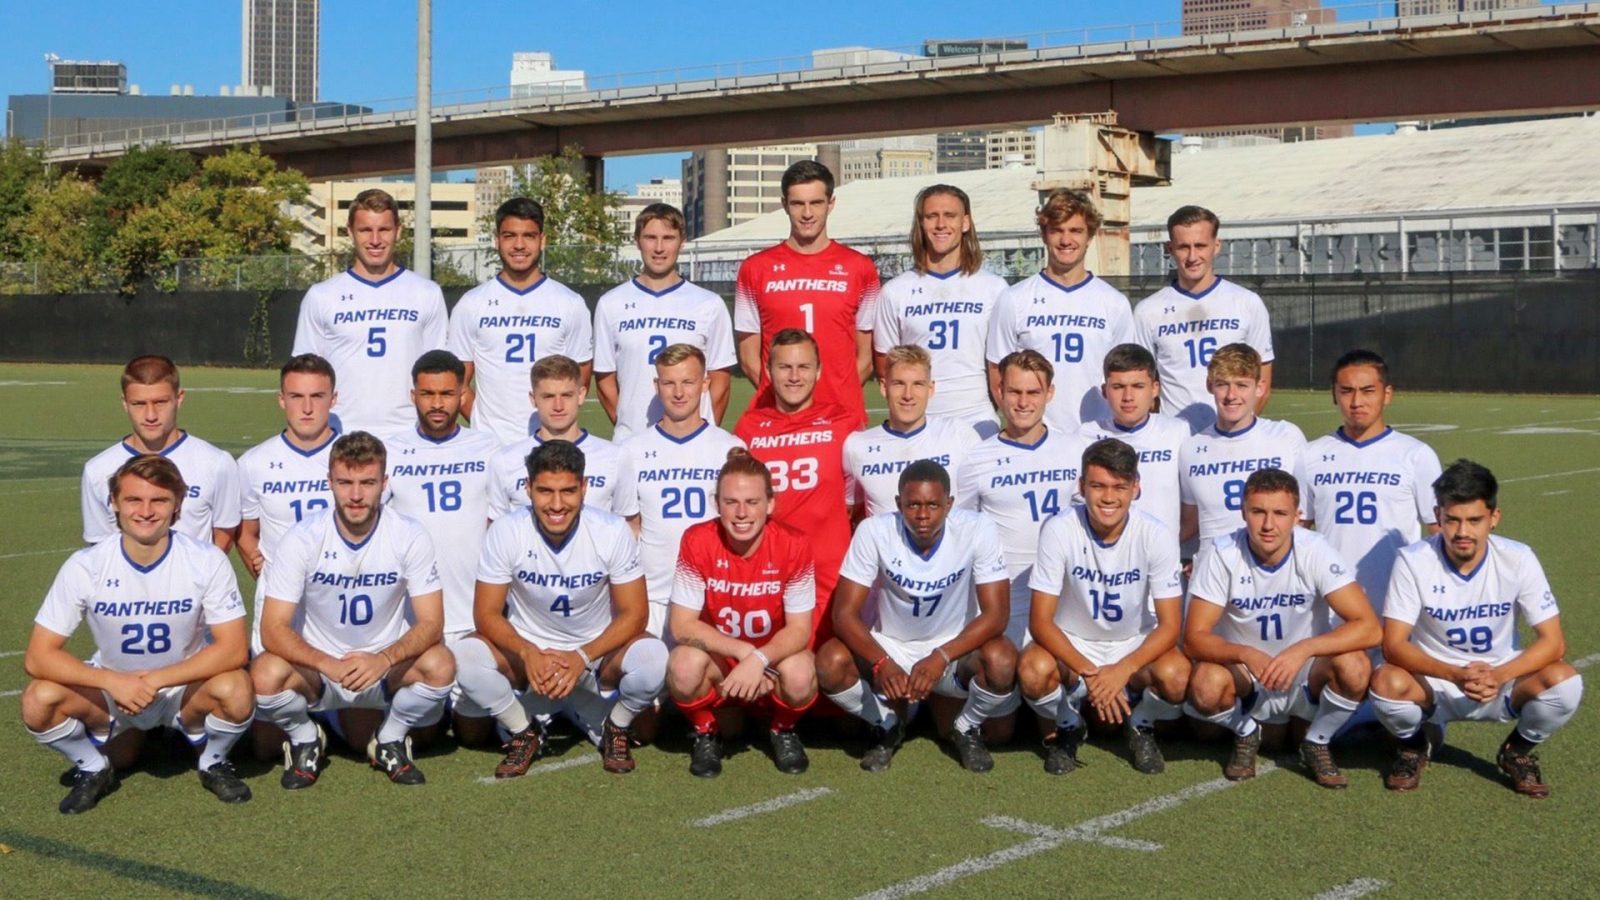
<point x="369" y="49"/>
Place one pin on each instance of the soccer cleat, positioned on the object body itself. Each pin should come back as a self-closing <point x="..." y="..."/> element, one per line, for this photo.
<point x="885" y="741"/>
<point x="616" y="754"/>
<point x="1147" y="756"/>
<point x="1061" y="749"/>
<point x="705" y="757"/>
<point x="1405" y="773"/>
<point x="1318" y="760"/>
<point x="521" y="750"/>
<point x="974" y="755"/>
<point x="788" y="754"/>
<point x="222" y="780"/>
<point x="394" y="759"/>
<point x="1242" y="764"/>
<point x="87" y="789"/>
<point x="302" y="763"/>
<point x="1523" y="767"/>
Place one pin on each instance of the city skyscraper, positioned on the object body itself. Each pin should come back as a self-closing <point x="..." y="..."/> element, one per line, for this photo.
<point x="280" y="57"/>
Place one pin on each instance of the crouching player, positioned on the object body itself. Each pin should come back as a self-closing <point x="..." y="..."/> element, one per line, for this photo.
<point x="742" y="600"/>
<point x="1106" y="614"/>
<point x="1450" y="638"/>
<point x="561" y="611"/>
<point x="1258" y="630"/>
<point x="941" y="616"/>
<point x="149" y="595"/>
<point x="366" y="639"/>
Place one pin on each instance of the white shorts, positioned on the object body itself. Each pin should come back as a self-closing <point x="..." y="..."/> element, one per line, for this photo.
<point x="586" y="706"/>
<point x="1021" y="607"/>
<point x="1451" y="704"/>
<point x="1276" y="707"/>
<point x="298" y="622"/>
<point x="657" y="624"/>
<point x="1104" y="653"/>
<point x="908" y="653"/>
<point x="164" y="711"/>
<point x="336" y="697"/>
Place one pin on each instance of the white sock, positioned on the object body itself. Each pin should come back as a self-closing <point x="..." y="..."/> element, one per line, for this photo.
<point x="1545" y="714"/>
<point x="1068" y="715"/>
<point x="291" y="712"/>
<point x="411" y="706"/>
<point x="980" y="706"/>
<point x="1152" y="709"/>
<point x="644" y="675"/>
<point x="1400" y="718"/>
<point x="1333" y="710"/>
<point x="864" y="704"/>
<point x="1047" y="706"/>
<point x="71" y="739"/>
<point x="221" y="735"/>
<point x="482" y="683"/>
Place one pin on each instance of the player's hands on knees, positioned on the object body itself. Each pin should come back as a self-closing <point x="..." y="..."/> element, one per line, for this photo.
<point x="892" y="681"/>
<point x="1106" y="691"/>
<point x="130" y="691"/>
<point x="364" y="670"/>
<point x="564" y="668"/>
<point x="1481" y="682"/>
<point x="1279" y="673"/>
<point x="925" y="674"/>
<point x="747" y="681"/>
<point x="1256" y="662"/>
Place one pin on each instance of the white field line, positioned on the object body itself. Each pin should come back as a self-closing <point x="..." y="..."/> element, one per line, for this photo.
<point x="1587" y="661"/>
<point x="1353" y="889"/>
<point x="12" y="653"/>
<point x="765" y="806"/>
<point x="1548" y="475"/>
<point x="1046" y="838"/>
<point x="36" y="553"/>
<point x="49" y="490"/>
<point x="584" y="760"/>
<point x="9" y="693"/>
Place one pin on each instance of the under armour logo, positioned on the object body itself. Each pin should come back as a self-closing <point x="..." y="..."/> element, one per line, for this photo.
<point x="343" y="297"/>
<point x="1200" y="448"/>
<point x="408" y="451"/>
<point x="916" y="290"/>
<point x="113" y="582"/>
<point x="651" y="454"/>
<point x="629" y="305"/>
<point x="330" y="554"/>
<point x="530" y="554"/>
<point x="874" y="448"/>
<point x="1169" y="310"/>
<point x="274" y="465"/>
<point x="1247" y="579"/>
<point x="778" y="267"/>
<point x="895" y="561"/>
<point x="722" y="564"/>
<point x="494" y="301"/>
<point x="1438" y="589"/>
<point x="1039" y="301"/>
<point x="1003" y="461"/>
<point x="1329" y="457"/>
<point x="767" y="424"/>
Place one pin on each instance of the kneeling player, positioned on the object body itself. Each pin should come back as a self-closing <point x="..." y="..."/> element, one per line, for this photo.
<point x="561" y="611"/>
<point x="356" y="575"/>
<point x="930" y="565"/>
<point x="1450" y="638"/>
<point x="741" y="616"/>
<point x="1117" y="569"/>
<point x="1258" y="630"/>
<point x="149" y="595"/>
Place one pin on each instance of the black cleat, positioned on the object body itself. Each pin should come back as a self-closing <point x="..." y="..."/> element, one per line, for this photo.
<point x="1061" y="749"/>
<point x="974" y="755"/>
<point x="302" y="763"/>
<point x="788" y="754"/>
<point x="394" y="759"/>
<point x="87" y="789"/>
<point x="521" y="750"/>
<point x="885" y="741"/>
<point x="1241" y="765"/>
<point x="616" y="749"/>
<point x="705" y="757"/>
<point x="1147" y="757"/>
<point x="1521" y="765"/>
<point x="1405" y="773"/>
<point x="222" y="780"/>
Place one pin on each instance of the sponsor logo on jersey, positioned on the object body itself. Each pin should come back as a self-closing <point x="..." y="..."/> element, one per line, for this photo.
<point x="382" y="314"/>
<point x="124" y="608"/>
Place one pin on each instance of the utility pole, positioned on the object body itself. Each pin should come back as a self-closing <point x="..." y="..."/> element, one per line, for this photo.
<point x="422" y="229"/>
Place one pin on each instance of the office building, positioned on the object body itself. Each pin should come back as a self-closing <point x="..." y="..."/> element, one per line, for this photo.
<point x="723" y="187"/>
<point x="280" y="53"/>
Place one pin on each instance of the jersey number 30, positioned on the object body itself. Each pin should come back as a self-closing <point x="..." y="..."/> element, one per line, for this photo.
<point x="757" y="623"/>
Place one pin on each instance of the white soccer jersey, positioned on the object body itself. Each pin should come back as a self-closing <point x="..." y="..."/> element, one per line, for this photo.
<point x="676" y="483"/>
<point x="354" y="597"/>
<point x="1214" y="465"/>
<point x="445" y="485"/>
<point x="1184" y="329"/>
<point x="503" y="331"/>
<point x="633" y="323"/>
<point x="1158" y="439"/>
<point x="874" y="459"/>
<point x="372" y="332"/>
<point x="282" y="484"/>
<point x="1073" y="327"/>
<point x="1269" y="608"/>
<point x="1370" y="498"/>
<point x="560" y="594"/>
<point x="1107" y="592"/>
<point x="143" y="617"/>
<point x="1018" y="486"/>
<point x="210" y="473"/>
<point x="948" y="315"/>
<point x="606" y="471"/>
<point x="925" y="598"/>
<point x="1461" y="619"/>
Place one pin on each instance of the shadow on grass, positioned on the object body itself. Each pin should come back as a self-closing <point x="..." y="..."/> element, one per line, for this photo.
<point x="134" y="870"/>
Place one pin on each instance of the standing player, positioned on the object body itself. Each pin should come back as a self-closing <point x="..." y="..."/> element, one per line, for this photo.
<point x="940" y="622"/>
<point x="1450" y="639"/>
<point x="873" y="459"/>
<point x="1260" y="634"/>
<point x="741" y="616"/>
<point x="1107" y="611"/>
<point x="1214" y="463"/>
<point x="812" y="283"/>
<point x="151" y="396"/>
<point x="561" y="615"/>
<point x="352" y="622"/>
<point x="558" y="396"/>
<point x="800" y="438"/>
<point x="1064" y="312"/>
<point x="1021" y="476"/>
<point x="1131" y="388"/>
<point x="943" y="304"/>
<point x="502" y="327"/>
<point x="372" y="320"/>
<point x="636" y="320"/>
<point x="675" y="466"/>
<point x="169" y="634"/>
<point x="1368" y="487"/>
<point x="1186" y="321"/>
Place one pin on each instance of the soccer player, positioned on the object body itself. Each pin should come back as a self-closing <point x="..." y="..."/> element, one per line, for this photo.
<point x="638" y="319"/>
<point x="558" y="395"/>
<point x="1071" y="317"/>
<point x="502" y="327"/>
<point x="741" y="616"/>
<point x="1368" y="487"/>
<point x="943" y="304"/>
<point x="812" y="283"/>
<point x="1450" y="639"/>
<point x="801" y="436"/>
<point x="1131" y="388"/>
<point x="1259" y="631"/>
<point x="940" y="622"/>
<point x="168" y="627"/>
<point x="873" y="459"/>
<point x="1186" y="321"/>
<point x="1107" y="610"/>
<point x="152" y="396"/>
<point x="1214" y="463"/>
<point x="372" y="321"/>
<point x="1021" y="476"/>
<point x="561" y="615"/>
<point x="675" y="466"/>
<point x="353" y="621"/>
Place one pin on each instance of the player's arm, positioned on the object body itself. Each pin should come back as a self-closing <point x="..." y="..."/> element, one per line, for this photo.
<point x="249" y="546"/>
<point x="878" y="360"/>
<point x="1549" y="645"/>
<point x="863" y="356"/>
<point x="469" y="397"/>
<point x="1203" y="644"/>
<point x="691" y="630"/>
<point x="427" y="629"/>
<point x="849" y="600"/>
<point x="229" y="649"/>
<point x="994" y="383"/>
<point x="1188" y="522"/>
<point x="1164" y="637"/>
<point x="748" y="345"/>
<point x="630" y="613"/>
<point x="721" y="387"/>
<point x="223" y="538"/>
<point x="489" y="619"/>
<point x="47" y="659"/>
<point x="994" y="610"/>
<point x="605" y="384"/>
<point x="1360" y="630"/>
<point x="1047" y="634"/>
<point x="280" y="639"/>
<point x="1266" y="387"/>
<point x="1399" y="651"/>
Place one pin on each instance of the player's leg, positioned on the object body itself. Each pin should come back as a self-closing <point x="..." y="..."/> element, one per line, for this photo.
<point x="1055" y="693"/>
<point x="1214" y="693"/>
<point x="419" y="689"/>
<point x="1544" y="701"/>
<point x="1338" y="683"/>
<point x="490" y="680"/>
<point x="1401" y="702"/>
<point x="284" y="694"/>
<point x="1164" y="683"/>
<point x="692" y="679"/>
<point x="215" y="714"/>
<point x="639" y="672"/>
<point x="991" y="676"/>
<point x="62" y="718"/>
<point x="795" y="692"/>
<point x="846" y="680"/>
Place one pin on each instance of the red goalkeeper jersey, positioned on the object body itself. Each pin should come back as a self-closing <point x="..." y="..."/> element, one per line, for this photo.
<point x="748" y="599"/>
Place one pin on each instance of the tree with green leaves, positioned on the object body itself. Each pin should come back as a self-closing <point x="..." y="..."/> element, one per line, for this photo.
<point x="56" y="234"/>
<point x="21" y="169"/>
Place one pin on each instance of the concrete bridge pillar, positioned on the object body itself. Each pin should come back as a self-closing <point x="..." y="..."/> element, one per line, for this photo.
<point x="1092" y="154"/>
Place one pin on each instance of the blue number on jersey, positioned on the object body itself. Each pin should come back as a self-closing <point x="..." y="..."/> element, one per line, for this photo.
<point x="1200" y="351"/>
<point x="155" y="638"/>
<point x="1069" y="346"/>
<point x="355" y="610"/>
<point x="925" y="606"/>
<point x="945" y="334"/>
<point x="1481" y="638"/>
<point x="1356" y="507"/>
<point x="302" y="507"/>
<point x="562" y="604"/>
<point x="1233" y="494"/>
<point x="1039" y="507"/>
<point x="658" y="343"/>
<point x="1105" y="605"/>
<point x="1274" y="620"/>
<point x="443" y="497"/>
<point x="376" y="344"/>
<point x="519" y="348"/>
<point x="683" y="503"/>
